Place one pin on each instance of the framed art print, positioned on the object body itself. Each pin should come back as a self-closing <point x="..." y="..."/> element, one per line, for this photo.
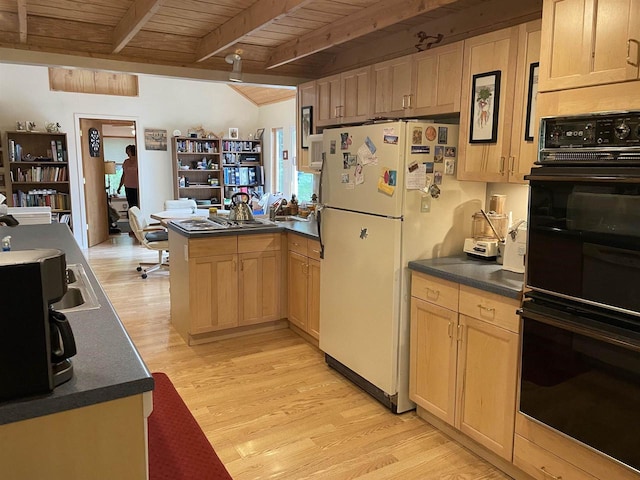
<point x="306" y="125"/>
<point x="530" y="127"/>
<point x="485" y="105"/>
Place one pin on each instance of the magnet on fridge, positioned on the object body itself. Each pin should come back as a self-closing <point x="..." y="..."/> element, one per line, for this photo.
<point x="437" y="178"/>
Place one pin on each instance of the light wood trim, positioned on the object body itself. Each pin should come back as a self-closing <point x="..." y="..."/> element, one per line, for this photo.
<point x="486" y="384"/>
<point x="90" y="81"/>
<point x="139" y="13"/>
<point x="179" y="278"/>
<point x="490" y="307"/>
<point x="22" y="20"/>
<point x="103" y="441"/>
<point x="258" y="16"/>
<point x="351" y="27"/>
<point x="206" y="247"/>
<point x="544" y="465"/>
<point x="313" y="249"/>
<point x="572" y="451"/>
<point x="258" y="242"/>
<point x="435" y="290"/>
<point x="297" y="243"/>
<point x="313" y="298"/>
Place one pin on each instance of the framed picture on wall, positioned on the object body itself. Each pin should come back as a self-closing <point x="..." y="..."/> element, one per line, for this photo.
<point x="259" y="133"/>
<point x="530" y="128"/>
<point x="485" y="104"/>
<point x="233" y="133"/>
<point x="306" y="125"/>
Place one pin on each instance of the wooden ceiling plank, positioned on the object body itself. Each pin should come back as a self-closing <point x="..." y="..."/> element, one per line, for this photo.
<point x="22" y="20"/>
<point x="353" y="26"/>
<point x="261" y="13"/>
<point x="136" y="17"/>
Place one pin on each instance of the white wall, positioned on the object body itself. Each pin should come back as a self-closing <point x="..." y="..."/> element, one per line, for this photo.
<point x="517" y="198"/>
<point x="281" y="114"/>
<point x="163" y="103"/>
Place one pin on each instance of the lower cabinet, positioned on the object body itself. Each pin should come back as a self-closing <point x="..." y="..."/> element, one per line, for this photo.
<point x="219" y="283"/>
<point x="304" y="284"/>
<point x="464" y="359"/>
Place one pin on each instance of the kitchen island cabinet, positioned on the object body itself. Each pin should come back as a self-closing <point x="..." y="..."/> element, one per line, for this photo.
<point x="220" y="283"/>
<point x="71" y="432"/>
<point x="589" y="42"/>
<point x="464" y="359"/>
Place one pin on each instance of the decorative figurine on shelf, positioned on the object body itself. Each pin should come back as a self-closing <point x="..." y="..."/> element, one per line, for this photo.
<point x="52" y="127"/>
<point x="31" y="126"/>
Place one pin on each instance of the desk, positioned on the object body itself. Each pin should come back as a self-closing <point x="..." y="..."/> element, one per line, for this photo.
<point x="179" y="214"/>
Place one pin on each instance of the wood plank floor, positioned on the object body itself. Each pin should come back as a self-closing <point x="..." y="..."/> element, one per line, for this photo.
<point x="267" y="402"/>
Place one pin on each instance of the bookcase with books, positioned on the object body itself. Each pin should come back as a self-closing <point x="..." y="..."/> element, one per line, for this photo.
<point x="197" y="172"/>
<point x="36" y="172"/>
<point x="242" y="167"/>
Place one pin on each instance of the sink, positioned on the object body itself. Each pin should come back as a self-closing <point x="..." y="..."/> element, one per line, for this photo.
<point x="80" y="294"/>
<point x="291" y="218"/>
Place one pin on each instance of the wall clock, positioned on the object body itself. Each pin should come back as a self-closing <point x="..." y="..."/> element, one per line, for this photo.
<point x="94" y="142"/>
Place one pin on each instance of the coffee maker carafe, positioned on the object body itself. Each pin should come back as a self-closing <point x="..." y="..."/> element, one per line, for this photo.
<point x="37" y="341"/>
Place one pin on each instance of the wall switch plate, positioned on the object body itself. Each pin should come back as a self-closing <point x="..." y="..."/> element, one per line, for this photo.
<point x="425" y="204"/>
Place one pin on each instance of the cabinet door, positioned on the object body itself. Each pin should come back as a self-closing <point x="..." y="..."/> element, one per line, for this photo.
<point x="392" y="87"/>
<point x="306" y="97"/>
<point x="215" y="293"/>
<point x="486" y="384"/>
<point x="524" y="152"/>
<point x="313" y="299"/>
<point x="432" y="364"/>
<point x="329" y="99"/>
<point x="259" y="286"/>
<point x="589" y="42"/>
<point x="298" y="286"/>
<point x="495" y="51"/>
<point x="437" y="75"/>
<point x="355" y="104"/>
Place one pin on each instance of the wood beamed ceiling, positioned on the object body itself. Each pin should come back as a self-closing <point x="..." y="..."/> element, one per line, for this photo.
<point x="281" y="42"/>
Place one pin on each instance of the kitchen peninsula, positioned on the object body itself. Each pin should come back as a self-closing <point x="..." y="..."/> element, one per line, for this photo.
<point x="227" y="281"/>
<point x="94" y="425"/>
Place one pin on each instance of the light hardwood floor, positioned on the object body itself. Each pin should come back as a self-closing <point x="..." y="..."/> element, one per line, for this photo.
<point x="267" y="402"/>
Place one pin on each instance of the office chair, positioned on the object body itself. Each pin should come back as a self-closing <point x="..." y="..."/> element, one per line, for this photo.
<point x="150" y="236"/>
<point x="183" y="204"/>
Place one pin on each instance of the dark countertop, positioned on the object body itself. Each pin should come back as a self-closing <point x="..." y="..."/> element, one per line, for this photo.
<point x="308" y="229"/>
<point x="481" y="274"/>
<point x="107" y="365"/>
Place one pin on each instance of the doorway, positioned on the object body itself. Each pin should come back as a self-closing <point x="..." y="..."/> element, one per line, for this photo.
<point x="98" y="137"/>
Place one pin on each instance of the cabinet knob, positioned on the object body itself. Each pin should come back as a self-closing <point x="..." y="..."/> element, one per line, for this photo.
<point x="629" y="61"/>
<point x="432" y="293"/>
<point x="512" y="165"/>
<point x="502" y="165"/>
<point x="486" y="309"/>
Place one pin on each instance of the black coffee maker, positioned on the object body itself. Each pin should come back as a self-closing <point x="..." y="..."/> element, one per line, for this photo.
<point x="37" y="341"/>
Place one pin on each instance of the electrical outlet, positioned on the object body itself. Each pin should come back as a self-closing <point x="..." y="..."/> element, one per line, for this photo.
<point x="425" y="204"/>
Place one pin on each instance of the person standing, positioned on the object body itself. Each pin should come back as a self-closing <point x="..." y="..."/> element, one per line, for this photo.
<point x="129" y="177"/>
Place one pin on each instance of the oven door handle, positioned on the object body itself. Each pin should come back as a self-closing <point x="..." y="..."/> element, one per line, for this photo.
<point x="563" y="321"/>
<point x="600" y="178"/>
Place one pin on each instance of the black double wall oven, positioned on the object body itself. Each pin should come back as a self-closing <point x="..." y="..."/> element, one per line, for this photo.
<point x="580" y="372"/>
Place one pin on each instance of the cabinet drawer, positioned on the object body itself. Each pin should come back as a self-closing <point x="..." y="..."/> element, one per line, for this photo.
<point x="313" y="249"/>
<point x="297" y="243"/>
<point x="542" y="464"/>
<point x="258" y="242"/>
<point x="205" y="247"/>
<point x="435" y="290"/>
<point x="490" y="307"/>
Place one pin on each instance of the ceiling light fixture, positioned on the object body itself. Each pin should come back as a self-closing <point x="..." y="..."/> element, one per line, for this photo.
<point x="236" y="73"/>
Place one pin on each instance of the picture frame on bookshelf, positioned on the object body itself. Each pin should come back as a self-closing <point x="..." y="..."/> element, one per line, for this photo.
<point x="259" y="134"/>
<point x="234" y="133"/>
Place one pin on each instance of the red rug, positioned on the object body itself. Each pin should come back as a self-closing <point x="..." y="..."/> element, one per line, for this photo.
<point x="178" y="448"/>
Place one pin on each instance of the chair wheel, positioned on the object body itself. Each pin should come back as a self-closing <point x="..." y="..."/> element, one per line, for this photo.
<point x="144" y="275"/>
<point x="139" y="269"/>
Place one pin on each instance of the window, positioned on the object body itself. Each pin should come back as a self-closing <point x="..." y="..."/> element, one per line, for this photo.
<point x="286" y="179"/>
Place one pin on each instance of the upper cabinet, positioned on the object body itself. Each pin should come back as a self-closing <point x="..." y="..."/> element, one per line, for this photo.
<point x="589" y="42"/>
<point x="392" y="87"/>
<point x="498" y="126"/>
<point x="345" y="97"/>
<point x="306" y="97"/>
<point x="435" y="87"/>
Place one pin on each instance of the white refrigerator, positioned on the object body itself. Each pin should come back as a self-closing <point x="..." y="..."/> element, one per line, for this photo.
<point x="378" y="214"/>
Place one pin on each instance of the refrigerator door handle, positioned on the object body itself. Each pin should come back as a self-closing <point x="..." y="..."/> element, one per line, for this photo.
<point x="320" y="206"/>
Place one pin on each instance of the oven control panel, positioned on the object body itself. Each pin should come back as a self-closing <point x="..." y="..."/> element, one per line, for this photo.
<point x="591" y="138"/>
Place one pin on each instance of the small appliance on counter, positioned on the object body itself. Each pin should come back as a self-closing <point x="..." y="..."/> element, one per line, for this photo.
<point x="515" y="247"/>
<point x="37" y="341"/>
<point x="488" y="230"/>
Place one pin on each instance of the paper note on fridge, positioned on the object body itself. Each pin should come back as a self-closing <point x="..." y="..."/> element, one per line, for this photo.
<point x="365" y="157"/>
<point x="416" y="176"/>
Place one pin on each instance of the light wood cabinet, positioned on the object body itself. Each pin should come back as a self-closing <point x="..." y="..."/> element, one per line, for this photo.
<point x="510" y="51"/>
<point x="392" y="87"/>
<point x="463" y="359"/>
<point x="589" y="42"/>
<point x="437" y="74"/>
<point x="345" y="97"/>
<point x="306" y="97"/>
<point x="220" y="283"/>
<point x="304" y="284"/>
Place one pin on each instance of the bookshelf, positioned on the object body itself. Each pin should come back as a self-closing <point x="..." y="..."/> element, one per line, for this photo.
<point x="197" y="171"/>
<point x="36" y="172"/>
<point x="242" y="167"/>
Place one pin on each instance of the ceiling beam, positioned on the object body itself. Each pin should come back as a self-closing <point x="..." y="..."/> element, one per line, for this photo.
<point x="368" y="20"/>
<point x="22" y="20"/>
<point x="257" y="16"/>
<point x="136" y="17"/>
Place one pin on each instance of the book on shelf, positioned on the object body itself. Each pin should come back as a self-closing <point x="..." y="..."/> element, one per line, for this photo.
<point x="59" y="151"/>
<point x="12" y="150"/>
